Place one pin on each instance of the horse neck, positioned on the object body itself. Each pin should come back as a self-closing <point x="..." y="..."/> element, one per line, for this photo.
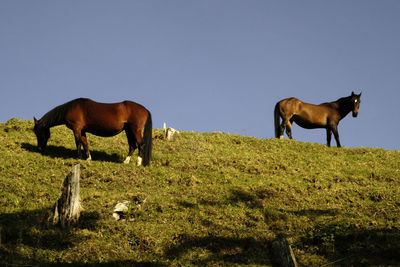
<point x="344" y="106"/>
<point x="54" y="117"/>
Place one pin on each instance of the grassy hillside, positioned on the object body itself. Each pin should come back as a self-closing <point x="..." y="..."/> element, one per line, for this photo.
<point x="207" y="199"/>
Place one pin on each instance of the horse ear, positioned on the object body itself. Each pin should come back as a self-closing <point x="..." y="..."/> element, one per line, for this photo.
<point x="352" y="93"/>
<point x="360" y="94"/>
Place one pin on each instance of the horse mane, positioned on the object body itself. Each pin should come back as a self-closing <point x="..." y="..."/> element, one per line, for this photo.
<point x="344" y="105"/>
<point x="341" y="102"/>
<point x="56" y="116"/>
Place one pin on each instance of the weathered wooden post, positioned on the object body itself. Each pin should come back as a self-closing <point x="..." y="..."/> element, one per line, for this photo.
<point x="282" y="254"/>
<point x="170" y="133"/>
<point x="67" y="208"/>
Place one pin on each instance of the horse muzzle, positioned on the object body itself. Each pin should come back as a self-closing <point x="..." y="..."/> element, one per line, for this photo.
<point x="355" y="114"/>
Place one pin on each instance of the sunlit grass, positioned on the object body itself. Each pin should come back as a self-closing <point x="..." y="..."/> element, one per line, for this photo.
<point x="206" y="199"/>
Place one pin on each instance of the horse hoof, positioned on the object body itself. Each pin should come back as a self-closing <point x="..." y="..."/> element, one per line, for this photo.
<point x="139" y="161"/>
<point x="127" y="160"/>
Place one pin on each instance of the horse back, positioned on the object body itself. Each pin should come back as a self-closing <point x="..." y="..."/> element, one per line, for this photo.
<point x="137" y="113"/>
<point x="87" y="110"/>
<point x="104" y="119"/>
<point x="307" y="115"/>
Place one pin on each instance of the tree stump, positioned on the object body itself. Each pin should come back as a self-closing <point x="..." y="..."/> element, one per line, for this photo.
<point x="282" y="254"/>
<point x="67" y="208"/>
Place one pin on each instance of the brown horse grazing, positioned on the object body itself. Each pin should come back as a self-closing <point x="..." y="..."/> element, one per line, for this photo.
<point x="83" y="116"/>
<point x="309" y="116"/>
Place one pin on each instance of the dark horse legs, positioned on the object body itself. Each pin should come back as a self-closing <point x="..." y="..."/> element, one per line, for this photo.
<point x="131" y="142"/>
<point x="329" y="130"/>
<point x="80" y="139"/>
<point x="134" y="137"/>
<point x="288" y="125"/>
<point x="134" y="140"/>
<point x="332" y="128"/>
<point x="328" y="136"/>
<point x="86" y="146"/>
<point x="336" y="134"/>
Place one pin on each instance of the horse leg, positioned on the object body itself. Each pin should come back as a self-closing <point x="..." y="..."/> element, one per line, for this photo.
<point x="328" y="136"/>
<point x="289" y="129"/>
<point x="86" y="146"/>
<point x="336" y="134"/>
<point x="131" y="142"/>
<point x="138" y="137"/>
<point x="282" y="129"/>
<point x="78" y="143"/>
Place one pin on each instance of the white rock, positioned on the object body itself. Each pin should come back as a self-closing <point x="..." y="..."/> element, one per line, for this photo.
<point x="120" y="209"/>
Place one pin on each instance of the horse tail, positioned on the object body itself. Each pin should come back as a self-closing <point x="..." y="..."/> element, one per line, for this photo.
<point x="277" y="121"/>
<point x="147" y="141"/>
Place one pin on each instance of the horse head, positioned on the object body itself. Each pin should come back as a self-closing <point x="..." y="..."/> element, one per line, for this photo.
<point x="42" y="134"/>
<point x="355" y="100"/>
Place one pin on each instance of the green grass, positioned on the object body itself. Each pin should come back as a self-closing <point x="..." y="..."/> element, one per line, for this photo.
<point x="207" y="199"/>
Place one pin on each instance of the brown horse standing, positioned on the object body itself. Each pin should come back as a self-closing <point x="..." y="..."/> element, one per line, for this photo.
<point x="83" y="116"/>
<point x="309" y="116"/>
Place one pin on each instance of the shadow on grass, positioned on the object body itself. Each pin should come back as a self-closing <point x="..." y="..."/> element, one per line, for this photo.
<point x="218" y="248"/>
<point x="67" y="153"/>
<point x="356" y="246"/>
<point x="334" y="239"/>
<point x="349" y="245"/>
<point x="129" y="263"/>
<point x="227" y="250"/>
<point x="252" y="200"/>
<point x="32" y="229"/>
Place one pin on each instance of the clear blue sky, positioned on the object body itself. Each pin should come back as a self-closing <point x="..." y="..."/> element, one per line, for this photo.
<point x="207" y="65"/>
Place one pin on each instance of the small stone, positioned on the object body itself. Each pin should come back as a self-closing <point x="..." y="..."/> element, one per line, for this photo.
<point x="116" y="216"/>
<point x="120" y="209"/>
